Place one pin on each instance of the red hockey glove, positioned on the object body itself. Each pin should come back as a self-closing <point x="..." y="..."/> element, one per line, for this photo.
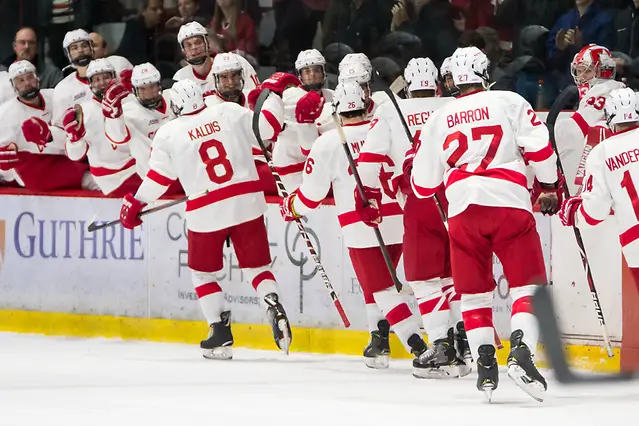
<point x="280" y="81"/>
<point x="286" y="208"/>
<point x="548" y="196"/>
<point x="125" y="79"/>
<point x="73" y="123"/>
<point x="251" y="98"/>
<point x="309" y="107"/>
<point x="8" y="157"/>
<point x="112" y="100"/>
<point x="568" y="211"/>
<point x="407" y="170"/>
<point x="130" y="210"/>
<point x="36" y="130"/>
<point x="370" y="212"/>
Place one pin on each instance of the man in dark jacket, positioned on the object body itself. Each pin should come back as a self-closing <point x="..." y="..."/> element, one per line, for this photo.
<point x="627" y="27"/>
<point x="518" y="14"/>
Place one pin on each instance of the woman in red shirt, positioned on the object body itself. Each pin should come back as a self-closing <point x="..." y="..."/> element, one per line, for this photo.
<point x="234" y="27"/>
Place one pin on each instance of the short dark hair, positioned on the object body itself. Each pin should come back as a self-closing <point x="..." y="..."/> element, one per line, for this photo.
<point x="353" y="114"/>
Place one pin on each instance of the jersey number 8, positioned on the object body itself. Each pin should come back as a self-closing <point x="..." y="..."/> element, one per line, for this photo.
<point x="218" y="167"/>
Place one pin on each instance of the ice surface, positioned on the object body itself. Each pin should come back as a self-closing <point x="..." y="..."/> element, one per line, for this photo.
<point x="67" y="381"/>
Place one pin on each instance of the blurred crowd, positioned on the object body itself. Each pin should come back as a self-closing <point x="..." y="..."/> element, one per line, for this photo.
<point x="530" y="42"/>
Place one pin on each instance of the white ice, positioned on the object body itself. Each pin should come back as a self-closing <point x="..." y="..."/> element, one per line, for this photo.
<point x="65" y="381"/>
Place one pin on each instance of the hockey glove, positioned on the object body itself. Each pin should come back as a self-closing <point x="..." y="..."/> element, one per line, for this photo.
<point x="125" y="78"/>
<point x="251" y="99"/>
<point x="568" y="211"/>
<point x="112" y="101"/>
<point x="309" y="108"/>
<point x="129" y="213"/>
<point x="286" y="208"/>
<point x="36" y="130"/>
<point x="369" y="212"/>
<point x="548" y="196"/>
<point x="8" y="157"/>
<point x="73" y="123"/>
<point x="407" y="170"/>
<point x="279" y="82"/>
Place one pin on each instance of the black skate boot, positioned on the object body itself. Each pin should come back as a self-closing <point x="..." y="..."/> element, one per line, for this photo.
<point x="220" y="341"/>
<point x="438" y="362"/>
<point x="522" y="369"/>
<point x="463" y="350"/>
<point x="378" y="350"/>
<point x="487" y="370"/>
<point x="279" y="322"/>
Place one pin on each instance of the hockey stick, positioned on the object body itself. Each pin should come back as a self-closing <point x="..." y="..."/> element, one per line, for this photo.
<point x="94" y="227"/>
<point x="300" y="226"/>
<point x="360" y="189"/>
<point x="554" y="348"/>
<point x="556" y="108"/>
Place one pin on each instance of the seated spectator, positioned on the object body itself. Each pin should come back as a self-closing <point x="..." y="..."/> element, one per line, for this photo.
<point x="188" y="10"/>
<point x="138" y="42"/>
<point x="234" y="27"/>
<point x="589" y="22"/>
<point x="101" y="50"/>
<point x="627" y="30"/>
<point x="41" y="164"/>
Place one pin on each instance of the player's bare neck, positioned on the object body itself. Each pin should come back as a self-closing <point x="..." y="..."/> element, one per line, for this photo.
<point x="82" y="72"/>
<point x="470" y="89"/>
<point x="35" y="102"/>
<point x="203" y="69"/>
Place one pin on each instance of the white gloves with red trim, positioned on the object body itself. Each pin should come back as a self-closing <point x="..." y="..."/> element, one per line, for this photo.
<point x="286" y="208"/>
<point x="568" y="211"/>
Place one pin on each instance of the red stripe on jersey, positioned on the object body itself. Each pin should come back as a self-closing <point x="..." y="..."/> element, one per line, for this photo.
<point x="502" y="174"/>
<point x="629" y="235"/>
<point x="277" y="127"/>
<point x="424" y="192"/>
<point x="478" y="318"/>
<point x="225" y="193"/>
<point x="126" y="138"/>
<point x="589" y="219"/>
<point x="581" y="122"/>
<point x="103" y="171"/>
<point x="159" y="178"/>
<point x="349" y="218"/>
<point x="257" y="151"/>
<point x="307" y="201"/>
<point x="305" y="152"/>
<point x="541" y="155"/>
<point x="290" y="169"/>
<point x="371" y="157"/>
<point x="398" y="314"/>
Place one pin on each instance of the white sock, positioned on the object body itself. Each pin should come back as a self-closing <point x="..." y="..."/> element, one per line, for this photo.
<point x="433" y="307"/>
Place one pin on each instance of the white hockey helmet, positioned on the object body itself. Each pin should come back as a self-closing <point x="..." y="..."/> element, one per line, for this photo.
<point x="621" y="106"/>
<point x="193" y="29"/>
<point x="187" y="97"/>
<point x="421" y="74"/>
<point x="76" y="36"/>
<point x="98" y="66"/>
<point x="469" y="65"/>
<point x="354" y="72"/>
<point x="225" y="62"/>
<point x="144" y="74"/>
<point x="447" y="67"/>
<point x="349" y="96"/>
<point x="23" y="67"/>
<point x="356" y="58"/>
<point x="309" y="58"/>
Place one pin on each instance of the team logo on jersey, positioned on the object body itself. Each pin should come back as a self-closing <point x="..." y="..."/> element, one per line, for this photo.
<point x="297" y="253"/>
<point x="154" y="121"/>
<point x="2" y="242"/>
<point x="79" y="96"/>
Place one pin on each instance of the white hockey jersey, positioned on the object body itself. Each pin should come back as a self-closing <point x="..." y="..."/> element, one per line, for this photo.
<point x="612" y="177"/>
<point x="6" y="89"/>
<point x="473" y="146"/>
<point x="382" y="156"/>
<point x="137" y="126"/>
<point x="210" y="152"/>
<point x="110" y="164"/>
<point x="208" y="81"/>
<point x="326" y="167"/>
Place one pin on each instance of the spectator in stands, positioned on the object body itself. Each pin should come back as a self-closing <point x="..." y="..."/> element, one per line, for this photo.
<point x="296" y="23"/>
<point x="627" y="30"/>
<point x="101" y="50"/>
<point x="188" y="10"/>
<point x="514" y="15"/>
<point x="234" y="27"/>
<point x="358" y="23"/>
<point x="25" y="47"/>
<point x="139" y="40"/>
<point x="588" y="22"/>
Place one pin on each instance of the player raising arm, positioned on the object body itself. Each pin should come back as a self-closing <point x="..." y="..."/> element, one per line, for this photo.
<point x="475" y="148"/>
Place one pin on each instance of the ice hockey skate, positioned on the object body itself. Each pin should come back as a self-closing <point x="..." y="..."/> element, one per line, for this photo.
<point x="522" y="369"/>
<point x="220" y="341"/>
<point x="279" y="322"/>
<point x="487" y="371"/>
<point x="437" y="362"/>
<point x="376" y="354"/>
<point x="464" y="357"/>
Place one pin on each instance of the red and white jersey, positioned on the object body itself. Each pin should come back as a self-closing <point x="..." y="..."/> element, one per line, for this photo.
<point x="70" y="91"/>
<point x="327" y="167"/>
<point x="211" y="150"/>
<point x="474" y="146"/>
<point x="382" y="156"/>
<point x="612" y="178"/>
<point x="110" y="164"/>
<point x="208" y="81"/>
<point x="138" y="126"/>
<point x="214" y="98"/>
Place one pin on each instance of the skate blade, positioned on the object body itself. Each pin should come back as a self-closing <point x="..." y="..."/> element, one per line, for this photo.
<point x="441" y="372"/>
<point x="285" y="342"/>
<point x="525" y="383"/>
<point x="380" y="362"/>
<point x="221" y="353"/>
<point x="488" y="393"/>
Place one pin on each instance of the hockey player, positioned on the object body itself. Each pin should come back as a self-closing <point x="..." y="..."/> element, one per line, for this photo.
<point x="426" y="246"/>
<point x="74" y="89"/>
<point x="473" y="149"/>
<point x="111" y="165"/>
<point x="593" y="70"/>
<point x="378" y="97"/>
<point x="611" y="176"/>
<point x="327" y="166"/>
<point x="41" y="164"/>
<point x="208" y="149"/>
<point x="194" y="42"/>
<point x="449" y="88"/>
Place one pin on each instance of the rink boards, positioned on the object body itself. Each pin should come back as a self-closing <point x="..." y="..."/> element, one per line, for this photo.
<point x="57" y="278"/>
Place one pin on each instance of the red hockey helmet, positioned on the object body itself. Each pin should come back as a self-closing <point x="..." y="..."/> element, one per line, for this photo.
<point x="592" y="63"/>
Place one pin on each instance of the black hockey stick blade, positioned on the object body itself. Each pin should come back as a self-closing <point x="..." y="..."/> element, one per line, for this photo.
<point x="554" y="347"/>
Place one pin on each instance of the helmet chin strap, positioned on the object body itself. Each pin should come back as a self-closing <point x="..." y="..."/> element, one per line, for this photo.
<point x="30" y="94"/>
<point x="197" y="61"/>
